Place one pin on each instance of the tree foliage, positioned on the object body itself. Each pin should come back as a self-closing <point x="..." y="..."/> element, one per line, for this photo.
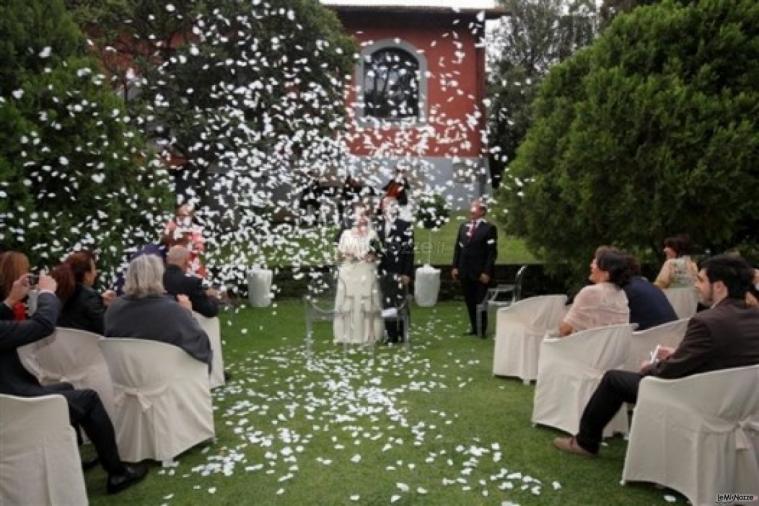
<point x="524" y="45"/>
<point x="651" y="131"/>
<point x="73" y="171"/>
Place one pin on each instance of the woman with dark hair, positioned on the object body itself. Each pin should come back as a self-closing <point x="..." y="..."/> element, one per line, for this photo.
<point x="83" y="308"/>
<point x="13" y="265"/>
<point x="678" y="270"/>
<point x="603" y="302"/>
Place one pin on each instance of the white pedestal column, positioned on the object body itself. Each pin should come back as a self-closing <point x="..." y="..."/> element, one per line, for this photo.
<point x="426" y="286"/>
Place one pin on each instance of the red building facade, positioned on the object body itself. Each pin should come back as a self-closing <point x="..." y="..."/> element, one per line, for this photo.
<point x="416" y="97"/>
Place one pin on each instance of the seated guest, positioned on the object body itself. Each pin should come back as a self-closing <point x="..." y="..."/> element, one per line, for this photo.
<point x="13" y="265"/>
<point x="146" y="312"/>
<point x="603" y="302"/>
<point x="85" y="408"/>
<point x="83" y="308"/>
<point x="649" y="306"/>
<point x="722" y="337"/>
<point x="678" y="271"/>
<point x="178" y="281"/>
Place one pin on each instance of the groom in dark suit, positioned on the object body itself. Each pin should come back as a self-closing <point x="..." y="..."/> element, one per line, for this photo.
<point x="474" y="257"/>
<point x="396" y="266"/>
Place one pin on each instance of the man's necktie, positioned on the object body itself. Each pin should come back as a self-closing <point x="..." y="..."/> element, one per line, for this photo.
<point x="470" y="233"/>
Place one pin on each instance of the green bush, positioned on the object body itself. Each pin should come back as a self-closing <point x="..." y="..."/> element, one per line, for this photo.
<point x="73" y="173"/>
<point x="650" y="131"/>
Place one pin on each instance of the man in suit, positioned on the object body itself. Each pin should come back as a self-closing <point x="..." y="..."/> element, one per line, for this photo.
<point x="85" y="408"/>
<point x="724" y="336"/>
<point x="396" y="267"/>
<point x="178" y="282"/>
<point x="474" y="257"/>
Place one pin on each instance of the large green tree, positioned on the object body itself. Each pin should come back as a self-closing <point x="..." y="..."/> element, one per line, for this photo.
<point x="651" y="131"/>
<point x="249" y="96"/>
<point x="73" y="170"/>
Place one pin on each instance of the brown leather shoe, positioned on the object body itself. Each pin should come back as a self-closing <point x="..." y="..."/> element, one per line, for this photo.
<point x="570" y="445"/>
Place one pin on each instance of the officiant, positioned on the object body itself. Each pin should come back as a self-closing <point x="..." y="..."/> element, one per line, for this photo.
<point x="396" y="266"/>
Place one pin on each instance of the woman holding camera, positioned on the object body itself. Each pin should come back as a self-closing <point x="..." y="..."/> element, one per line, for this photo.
<point x="83" y="307"/>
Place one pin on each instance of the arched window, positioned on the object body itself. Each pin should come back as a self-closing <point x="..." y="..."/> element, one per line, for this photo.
<point x="391" y="84"/>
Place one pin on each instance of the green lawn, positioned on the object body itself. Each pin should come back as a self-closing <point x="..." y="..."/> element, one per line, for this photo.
<point x="430" y="426"/>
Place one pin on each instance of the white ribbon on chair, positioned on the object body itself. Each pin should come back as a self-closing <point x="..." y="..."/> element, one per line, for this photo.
<point x="143" y="396"/>
<point x="46" y="378"/>
<point x="742" y="439"/>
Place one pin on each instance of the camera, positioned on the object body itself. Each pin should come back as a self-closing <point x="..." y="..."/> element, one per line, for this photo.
<point x="33" y="279"/>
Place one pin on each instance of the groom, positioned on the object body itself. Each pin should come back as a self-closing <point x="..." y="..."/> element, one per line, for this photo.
<point x="396" y="267"/>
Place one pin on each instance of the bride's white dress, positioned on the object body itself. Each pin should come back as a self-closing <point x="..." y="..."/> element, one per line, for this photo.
<point x="358" y="300"/>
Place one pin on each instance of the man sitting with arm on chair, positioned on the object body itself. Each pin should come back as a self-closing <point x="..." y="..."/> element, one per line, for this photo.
<point x="722" y="337"/>
<point x="85" y="406"/>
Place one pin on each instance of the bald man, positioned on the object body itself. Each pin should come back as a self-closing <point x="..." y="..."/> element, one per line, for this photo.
<point x="177" y="281"/>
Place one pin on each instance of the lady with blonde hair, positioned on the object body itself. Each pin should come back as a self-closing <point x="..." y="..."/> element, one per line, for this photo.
<point x="146" y="312"/>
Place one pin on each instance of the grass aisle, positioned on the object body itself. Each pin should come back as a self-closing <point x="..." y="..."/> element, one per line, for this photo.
<point x="427" y="427"/>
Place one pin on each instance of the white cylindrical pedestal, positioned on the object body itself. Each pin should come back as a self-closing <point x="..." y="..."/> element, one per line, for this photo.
<point x="426" y="286"/>
<point x="259" y="287"/>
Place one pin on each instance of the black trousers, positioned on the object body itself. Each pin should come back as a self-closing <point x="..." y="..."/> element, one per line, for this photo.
<point x="474" y="293"/>
<point x="616" y="388"/>
<point x="86" y="411"/>
<point x="393" y="294"/>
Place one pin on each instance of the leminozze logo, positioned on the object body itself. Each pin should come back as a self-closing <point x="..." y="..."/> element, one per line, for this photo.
<point x="736" y="498"/>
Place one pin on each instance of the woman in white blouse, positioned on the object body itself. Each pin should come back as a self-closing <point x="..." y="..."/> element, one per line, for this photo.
<point x="604" y="302"/>
<point x="358" y="301"/>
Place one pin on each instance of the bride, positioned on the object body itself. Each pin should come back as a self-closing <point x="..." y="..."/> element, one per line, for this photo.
<point x="358" y="301"/>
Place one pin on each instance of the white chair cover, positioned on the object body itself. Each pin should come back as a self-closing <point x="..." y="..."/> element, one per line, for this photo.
<point x="569" y="371"/>
<point x="426" y="286"/>
<point x="519" y="331"/>
<point x="163" y="400"/>
<point x="213" y="329"/>
<point x="71" y="356"/>
<point x="259" y="287"/>
<point x="39" y="459"/>
<point x="698" y="435"/>
<point x="684" y="301"/>
<point x="644" y="342"/>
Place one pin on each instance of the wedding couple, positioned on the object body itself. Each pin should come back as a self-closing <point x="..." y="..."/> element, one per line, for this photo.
<point x="376" y="264"/>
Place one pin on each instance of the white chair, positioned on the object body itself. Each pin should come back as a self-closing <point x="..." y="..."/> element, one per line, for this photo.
<point x="683" y="300"/>
<point x="519" y="331"/>
<point x="212" y="327"/>
<point x="494" y="299"/>
<point x="698" y="435"/>
<point x="71" y="356"/>
<point x="644" y="342"/>
<point x="163" y="399"/>
<point x="570" y="369"/>
<point x="39" y="458"/>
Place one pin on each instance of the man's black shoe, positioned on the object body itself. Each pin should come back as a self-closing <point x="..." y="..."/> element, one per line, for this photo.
<point x="89" y="464"/>
<point x="132" y="474"/>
